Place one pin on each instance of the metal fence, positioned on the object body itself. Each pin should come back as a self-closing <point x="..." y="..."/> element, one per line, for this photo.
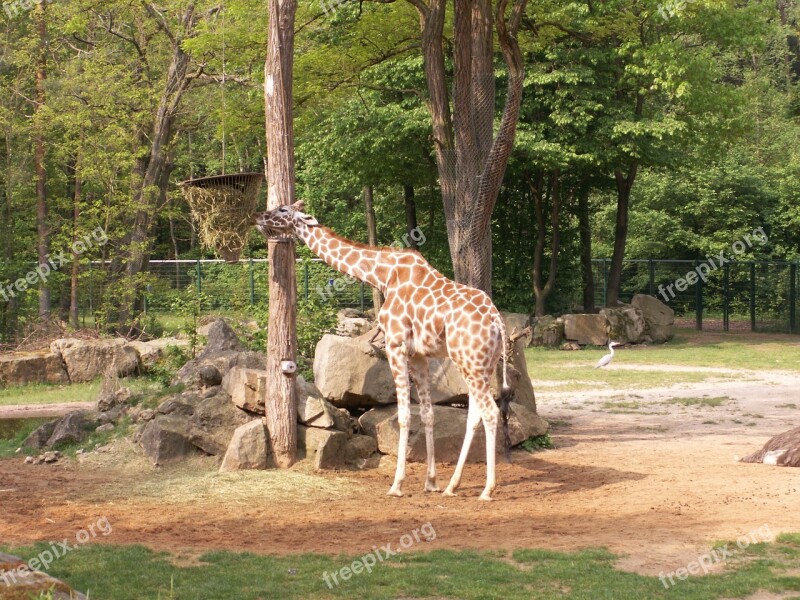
<point x="742" y="295"/>
<point x="757" y="296"/>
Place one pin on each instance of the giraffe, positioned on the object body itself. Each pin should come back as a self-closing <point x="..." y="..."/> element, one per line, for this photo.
<point x="425" y="315"/>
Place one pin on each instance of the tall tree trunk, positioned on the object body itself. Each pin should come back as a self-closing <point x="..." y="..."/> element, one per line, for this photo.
<point x="372" y="236"/>
<point x="542" y="292"/>
<point x="76" y="213"/>
<point x="411" y="215"/>
<point x="281" y="409"/>
<point x="624" y="186"/>
<point x="43" y="242"/>
<point x="587" y="274"/>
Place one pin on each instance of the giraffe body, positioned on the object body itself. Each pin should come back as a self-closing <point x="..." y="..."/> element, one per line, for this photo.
<point x="424" y="315"/>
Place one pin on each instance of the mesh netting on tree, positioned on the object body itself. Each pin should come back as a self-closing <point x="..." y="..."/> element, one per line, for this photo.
<point x="224" y="208"/>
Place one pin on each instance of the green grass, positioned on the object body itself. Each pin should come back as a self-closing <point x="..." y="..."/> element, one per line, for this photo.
<point x="40" y="393"/>
<point x="704" y="401"/>
<point x="137" y="573"/>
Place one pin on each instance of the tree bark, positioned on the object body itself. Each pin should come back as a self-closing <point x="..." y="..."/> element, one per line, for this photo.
<point x="542" y="292"/>
<point x="372" y="236"/>
<point x="587" y="274"/>
<point x="43" y="242"/>
<point x="281" y="408"/>
<point x="624" y="186"/>
<point x="76" y="213"/>
<point x="411" y="215"/>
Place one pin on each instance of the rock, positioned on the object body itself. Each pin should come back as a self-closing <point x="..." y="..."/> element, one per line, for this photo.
<point x="108" y="399"/>
<point x="352" y="373"/>
<point x="221" y="338"/>
<point x="449" y="430"/>
<point x="50" y="457"/>
<point x="87" y="359"/>
<point x="570" y="346"/>
<point x="71" y="428"/>
<point x="214" y="420"/>
<point x="29" y="460"/>
<point x="547" y="331"/>
<point x="164" y="440"/>
<point x="658" y="317"/>
<point x="586" y="329"/>
<point x="359" y="448"/>
<point x="247" y="449"/>
<point x="325" y="448"/>
<point x="516" y="323"/>
<point x="353" y="326"/>
<point x="209" y="375"/>
<point x="146" y="415"/>
<point x="178" y="405"/>
<point x="150" y="353"/>
<point x="20" y="582"/>
<point x="190" y="374"/>
<point x="39" y="436"/>
<point x="311" y="408"/>
<point x="247" y="388"/>
<point x="625" y="324"/>
<point x="110" y="416"/>
<point x="21" y="368"/>
<point x="783" y="450"/>
<point x="106" y="428"/>
<point x="349" y="313"/>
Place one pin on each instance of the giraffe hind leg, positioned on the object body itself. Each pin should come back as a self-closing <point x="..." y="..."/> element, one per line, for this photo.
<point x="419" y="373"/>
<point x="398" y="362"/>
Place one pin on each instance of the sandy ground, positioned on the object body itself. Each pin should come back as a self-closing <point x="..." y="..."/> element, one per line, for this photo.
<point x="35" y="411"/>
<point x="652" y="480"/>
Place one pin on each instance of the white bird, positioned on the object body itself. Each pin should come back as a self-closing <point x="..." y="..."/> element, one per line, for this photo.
<point x="607" y="358"/>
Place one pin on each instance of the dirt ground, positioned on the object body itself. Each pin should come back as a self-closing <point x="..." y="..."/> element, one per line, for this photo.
<point x="651" y="479"/>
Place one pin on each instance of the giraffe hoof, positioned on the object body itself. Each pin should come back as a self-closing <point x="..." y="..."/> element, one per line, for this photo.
<point x="396" y="492"/>
<point x="431" y="486"/>
<point x="486" y="497"/>
<point x="449" y="493"/>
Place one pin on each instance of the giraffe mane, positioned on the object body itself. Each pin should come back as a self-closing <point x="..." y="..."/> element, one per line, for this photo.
<point x="361" y="246"/>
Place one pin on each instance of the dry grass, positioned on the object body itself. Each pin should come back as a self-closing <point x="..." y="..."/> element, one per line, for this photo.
<point x="224" y="216"/>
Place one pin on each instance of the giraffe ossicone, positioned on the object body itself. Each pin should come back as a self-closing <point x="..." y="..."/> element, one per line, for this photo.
<point x="425" y="315"/>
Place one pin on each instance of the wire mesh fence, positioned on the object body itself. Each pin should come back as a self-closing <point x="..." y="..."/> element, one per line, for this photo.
<point x="755" y="296"/>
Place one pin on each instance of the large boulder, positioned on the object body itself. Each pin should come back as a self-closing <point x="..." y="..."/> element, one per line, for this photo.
<point x="323" y="447"/>
<point x="626" y="324"/>
<point x="547" y="331"/>
<point x="71" y="428"/>
<point x="351" y="323"/>
<point x="165" y="440"/>
<point x="352" y="373"/>
<point x="21" y="368"/>
<point x="195" y="372"/>
<point x="221" y="338"/>
<point x="87" y="359"/>
<point x="658" y="317"/>
<point x="517" y="323"/>
<point x="38" y="438"/>
<point x="150" y="353"/>
<point x="213" y="422"/>
<point x="248" y="448"/>
<point x="449" y="428"/>
<point x="586" y="329"/>
<point x="247" y="388"/>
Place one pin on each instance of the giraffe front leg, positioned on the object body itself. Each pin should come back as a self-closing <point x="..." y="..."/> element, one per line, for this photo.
<point x="398" y="363"/>
<point x="419" y="373"/>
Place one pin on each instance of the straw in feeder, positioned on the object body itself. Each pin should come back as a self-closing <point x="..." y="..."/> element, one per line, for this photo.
<point x="224" y="208"/>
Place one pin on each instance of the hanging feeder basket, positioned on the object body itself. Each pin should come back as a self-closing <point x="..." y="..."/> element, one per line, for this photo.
<point x="224" y="207"/>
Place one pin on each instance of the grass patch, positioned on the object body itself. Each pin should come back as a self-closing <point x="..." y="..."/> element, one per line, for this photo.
<point x="135" y="572"/>
<point x="14" y="431"/>
<point x="537" y="442"/>
<point x="787" y="405"/>
<point x="40" y="393"/>
<point x="701" y="401"/>
<point x="633" y="405"/>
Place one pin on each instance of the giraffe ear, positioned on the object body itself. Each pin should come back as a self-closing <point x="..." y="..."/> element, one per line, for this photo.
<point x="307" y="219"/>
<point x="299" y="205"/>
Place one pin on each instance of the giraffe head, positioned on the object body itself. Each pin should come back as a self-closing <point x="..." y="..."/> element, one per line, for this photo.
<point x="284" y="220"/>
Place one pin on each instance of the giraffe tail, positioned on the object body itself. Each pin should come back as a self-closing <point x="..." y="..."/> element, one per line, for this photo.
<point x="506" y="392"/>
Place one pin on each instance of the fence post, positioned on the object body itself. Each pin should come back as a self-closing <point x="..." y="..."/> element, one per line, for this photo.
<point x="792" y="297"/>
<point x="698" y="304"/>
<point x="252" y="284"/>
<point x="752" y="296"/>
<point x="652" y="274"/>
<point x="725" y="298"/>
<point x="605" y="283"/>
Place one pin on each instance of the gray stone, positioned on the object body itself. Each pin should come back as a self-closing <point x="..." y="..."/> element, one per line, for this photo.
<point x="39" y="436"/>
<point x="516" y="323"/>
<point x="359" y="448"/>
<point x="22" y="368"/>
<point x="109" y="398"/>
<point x="586" y="329"/>
<point x="146" y="415"/>
<point x="214" y="420"/>
<point x="165" y="440"/>
<point x="626" y="324"/>
<point x="209" y="375"/>
<point x="87" y="359"/>
<point x="110" y="416"/>
<point x="659" y="318"/>
<point x="177" y="405"/>
<point x="107" y="427"/>
<point x="71" y="428"/>
<point x="247" y="388"/>
<point x="150" y="353"/>
<point x="248" y="448"/>
<point x="189" y="374"/>
<point x="548" y="332"/>
<point x="323" y="447"/>
<point x="221" y="338"/>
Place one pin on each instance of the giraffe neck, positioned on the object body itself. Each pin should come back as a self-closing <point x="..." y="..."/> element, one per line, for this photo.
<point x="350" y="258"/>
